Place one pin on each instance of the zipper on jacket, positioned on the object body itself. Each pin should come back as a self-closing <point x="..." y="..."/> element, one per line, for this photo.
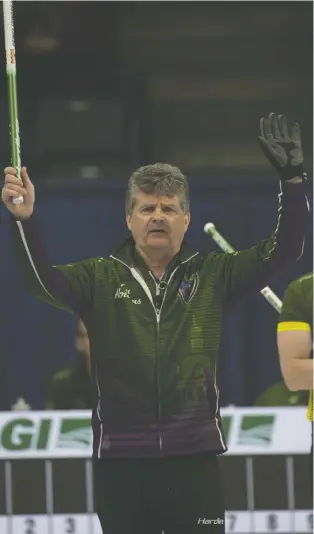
<point x="157" y="310"/>
<point x="158" y="382"/>
<point x="158" y="313"/>
<point x="144" y="285"/>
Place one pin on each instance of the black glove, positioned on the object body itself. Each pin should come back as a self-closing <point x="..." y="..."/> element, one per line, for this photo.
<point x="283" y="148"/>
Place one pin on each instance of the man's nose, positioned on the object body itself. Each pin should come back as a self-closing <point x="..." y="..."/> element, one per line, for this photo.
<point x="158" y="215"/>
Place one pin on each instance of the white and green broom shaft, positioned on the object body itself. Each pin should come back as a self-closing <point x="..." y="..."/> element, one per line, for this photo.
<point x="12" y="91"/>
<point x="267" y="293"/>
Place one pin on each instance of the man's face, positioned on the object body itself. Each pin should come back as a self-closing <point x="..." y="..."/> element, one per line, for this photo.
<point x="82" y="340"/>
<point x="158" y="222"/>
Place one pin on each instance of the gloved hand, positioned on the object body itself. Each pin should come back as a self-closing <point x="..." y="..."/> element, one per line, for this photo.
<point x="283" y="147"/>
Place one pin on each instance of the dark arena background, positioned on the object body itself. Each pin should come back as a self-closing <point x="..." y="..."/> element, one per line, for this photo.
<point x="104" y="87"/>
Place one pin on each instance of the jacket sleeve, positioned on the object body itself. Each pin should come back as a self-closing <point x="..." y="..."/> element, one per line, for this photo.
<point x="241" y="272"/>
<point x="67" y="287"/>
<point x="294" y="313"/>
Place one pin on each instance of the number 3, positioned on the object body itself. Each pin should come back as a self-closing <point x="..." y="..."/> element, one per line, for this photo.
<point x="71" y="525"/>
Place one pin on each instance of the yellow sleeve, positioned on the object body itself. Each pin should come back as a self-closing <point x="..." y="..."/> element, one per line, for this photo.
<point x="286" y="326"/>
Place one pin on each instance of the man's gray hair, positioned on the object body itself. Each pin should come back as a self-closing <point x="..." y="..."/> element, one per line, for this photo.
<point x="159" y="179"/>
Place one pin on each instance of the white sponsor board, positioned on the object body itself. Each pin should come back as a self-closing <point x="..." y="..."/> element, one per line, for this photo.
<point x="64" y="434"/>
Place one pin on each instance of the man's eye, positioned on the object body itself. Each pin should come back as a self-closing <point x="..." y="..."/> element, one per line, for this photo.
<point x="148" y="209"/>
<point x="168" y="208"/>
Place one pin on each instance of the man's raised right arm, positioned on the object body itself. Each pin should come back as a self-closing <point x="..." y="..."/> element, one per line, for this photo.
<point x="67" y="287"/>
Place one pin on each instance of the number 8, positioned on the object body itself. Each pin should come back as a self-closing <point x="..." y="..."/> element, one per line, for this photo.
<point x="71" y="525"/>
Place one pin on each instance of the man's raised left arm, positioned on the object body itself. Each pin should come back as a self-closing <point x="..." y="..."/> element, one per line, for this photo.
<point x="254" y="268"/>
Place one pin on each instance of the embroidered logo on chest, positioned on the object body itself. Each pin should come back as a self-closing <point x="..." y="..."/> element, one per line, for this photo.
<point x="188" y="288"/>
<point x="124" y="293"/>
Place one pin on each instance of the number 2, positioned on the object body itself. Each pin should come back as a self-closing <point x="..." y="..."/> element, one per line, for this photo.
<point x="30" y="526"/>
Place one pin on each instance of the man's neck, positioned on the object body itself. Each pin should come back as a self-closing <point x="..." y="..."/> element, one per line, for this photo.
<point x="156" y="261"/>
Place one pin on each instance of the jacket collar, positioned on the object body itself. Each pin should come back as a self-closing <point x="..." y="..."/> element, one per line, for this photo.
<point x="128" y="255"/>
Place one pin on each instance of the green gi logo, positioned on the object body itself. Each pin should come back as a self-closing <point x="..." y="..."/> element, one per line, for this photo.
<point x="256" y="430"/>
<point x="24" y="434"/>
<point x="75" y="434"/>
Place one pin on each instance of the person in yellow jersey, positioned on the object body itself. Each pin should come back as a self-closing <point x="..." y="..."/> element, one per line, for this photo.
<point x="295" y="339"/>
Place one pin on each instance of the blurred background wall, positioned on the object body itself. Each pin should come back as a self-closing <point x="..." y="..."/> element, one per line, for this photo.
<point x="107" y="86"/>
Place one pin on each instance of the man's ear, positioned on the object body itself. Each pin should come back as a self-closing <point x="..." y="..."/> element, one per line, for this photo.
<point x="187" y="220"/>
<point x="128" y="221"/>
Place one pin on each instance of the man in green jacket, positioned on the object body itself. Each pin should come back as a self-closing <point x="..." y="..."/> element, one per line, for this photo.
<point x="153" y="312"/>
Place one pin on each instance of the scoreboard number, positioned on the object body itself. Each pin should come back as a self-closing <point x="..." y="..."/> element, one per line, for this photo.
<point x="272" y="522"/>
<point x="26" y="524"/>
<point x="30" y="525"/>
<point x="238" y="522"/>
<point x="232" y="519"/>
<point x="70" y="525"/>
